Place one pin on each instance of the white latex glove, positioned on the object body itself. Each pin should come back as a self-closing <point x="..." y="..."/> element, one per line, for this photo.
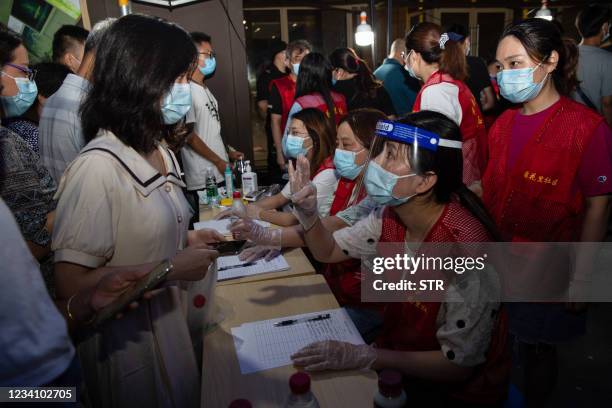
<point x="303" y="193"/>
<point x="334" y="355"/>
<point x="246" y="228"/>
<point x="253" y="212"/>
<point x="257" y="252"/>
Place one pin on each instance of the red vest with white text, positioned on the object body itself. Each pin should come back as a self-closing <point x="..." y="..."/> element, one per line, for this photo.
<point x="472" y="126"/>
<point x="538" y="199"/>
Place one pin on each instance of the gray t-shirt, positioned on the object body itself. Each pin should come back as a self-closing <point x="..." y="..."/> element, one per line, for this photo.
<point x="595" y="74"/>
<point x="34" y="344"/>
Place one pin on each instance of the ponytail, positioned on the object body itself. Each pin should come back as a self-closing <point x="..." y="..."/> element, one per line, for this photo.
<point x="565" y="76"/>
<point x="474" y="205"/>
<point x="452" y="60"/>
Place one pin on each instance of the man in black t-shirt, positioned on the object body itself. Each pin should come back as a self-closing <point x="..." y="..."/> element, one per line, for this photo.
<point x="275" y="69"/>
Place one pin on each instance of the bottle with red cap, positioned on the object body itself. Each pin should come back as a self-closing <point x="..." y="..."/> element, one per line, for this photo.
<point x="301" y="396"/>
<point x="390" y="390"/>
<point x="238" y="207"/>
<point x="240" y="403"/>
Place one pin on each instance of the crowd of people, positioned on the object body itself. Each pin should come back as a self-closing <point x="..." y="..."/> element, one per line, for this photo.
<point x="103" y="152"/>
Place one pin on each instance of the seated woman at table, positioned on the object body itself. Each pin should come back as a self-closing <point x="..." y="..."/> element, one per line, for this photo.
<point x="449" y="352"/>
<point x="121" y="203"/>
<point x="312" y="135"/>
<point x="354" y="139"/>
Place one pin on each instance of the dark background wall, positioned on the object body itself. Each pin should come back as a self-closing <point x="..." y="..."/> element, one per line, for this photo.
<point x="229" y="84"/>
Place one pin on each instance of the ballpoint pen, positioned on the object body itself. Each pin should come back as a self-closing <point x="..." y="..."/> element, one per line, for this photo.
<point x="242" y="265"/>
<point x="302" y="320"/>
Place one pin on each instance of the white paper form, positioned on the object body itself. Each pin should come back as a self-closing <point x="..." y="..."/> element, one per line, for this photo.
<point x="260" y="266"/>
<point x="222" y="225"/>
<point x="261" y="345"/>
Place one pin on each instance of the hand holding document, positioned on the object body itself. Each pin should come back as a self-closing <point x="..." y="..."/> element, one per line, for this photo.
<point x="270" y="343"/>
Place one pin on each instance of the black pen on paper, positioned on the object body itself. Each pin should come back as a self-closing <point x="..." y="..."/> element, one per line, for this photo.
<point x="302" y="320"/>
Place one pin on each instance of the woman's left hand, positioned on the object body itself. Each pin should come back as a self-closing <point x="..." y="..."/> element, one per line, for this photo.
<point x="204" y="236"/>
<point x="334" y="355"/>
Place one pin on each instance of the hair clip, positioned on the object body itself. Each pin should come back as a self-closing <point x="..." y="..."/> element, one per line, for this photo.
<point x="443" y="40"/>
<point x="449" y="36"/>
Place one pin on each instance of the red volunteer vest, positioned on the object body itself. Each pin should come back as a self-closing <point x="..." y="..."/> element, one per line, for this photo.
<point x="411" y="326"/>
<point x="317" y="101"/>
<point x="286" y="89"/>
<point x="472" y="126"/>
<point x="344" y="278"/>
<point x="538" y="199"/>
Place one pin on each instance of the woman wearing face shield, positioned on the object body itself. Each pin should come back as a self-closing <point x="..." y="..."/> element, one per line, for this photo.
<point x="444" y="350"/>
<point x="548" y="179"/>
<point x="438" y="59"/>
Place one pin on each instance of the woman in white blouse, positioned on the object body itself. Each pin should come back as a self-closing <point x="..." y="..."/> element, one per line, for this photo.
<point x="121" y="203"/>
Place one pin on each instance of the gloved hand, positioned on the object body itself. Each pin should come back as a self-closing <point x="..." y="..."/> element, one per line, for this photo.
<point x="246" y="228"/>
<point x="252" y="211"/>
<point x="334" y="355"/>
<point x="257" y="252"/>
<point x="303" y="193"/>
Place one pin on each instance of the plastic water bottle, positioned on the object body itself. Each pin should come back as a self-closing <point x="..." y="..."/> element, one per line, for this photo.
<point x="238" y="207"/>
<point x="301" y="396"/>
<point x="211" y="189"/>
<point x="390" y="390"/>
<point x="229" y="182"/>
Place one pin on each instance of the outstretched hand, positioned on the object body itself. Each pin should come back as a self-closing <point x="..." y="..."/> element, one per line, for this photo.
<point x="303" y="193"/>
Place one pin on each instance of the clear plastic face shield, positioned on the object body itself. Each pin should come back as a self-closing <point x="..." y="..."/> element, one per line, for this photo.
<point x="393" y="170"/>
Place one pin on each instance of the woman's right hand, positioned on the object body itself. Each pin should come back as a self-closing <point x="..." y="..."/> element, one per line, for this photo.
<point x="303" y="193"/>
<point x="191" y="264"/>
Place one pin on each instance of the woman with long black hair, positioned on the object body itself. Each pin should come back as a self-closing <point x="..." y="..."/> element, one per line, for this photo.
<point x="121" y="203"/>
<point x="313" y="90"/>
<point x="353" y="78"/>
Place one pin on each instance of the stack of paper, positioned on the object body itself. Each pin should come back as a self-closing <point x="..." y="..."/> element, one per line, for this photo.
<point x="222" y="225"/>
<point x="263" y="345"/>
<point x="230" y="267"/>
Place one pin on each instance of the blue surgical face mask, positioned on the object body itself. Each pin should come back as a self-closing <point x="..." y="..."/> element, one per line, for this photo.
<point x="380" y="183"/>
<point x="17" y="105"/>
<point x="176" y="103"/>
<point x="295" y="146"/>
<point x="517" y="86"/>
<point x="408" y="68"/>
<point x="296" y="68"/>
<point x="334" y="81"/>
<point x="344" y="160"/>
<point x="209" y="66"/>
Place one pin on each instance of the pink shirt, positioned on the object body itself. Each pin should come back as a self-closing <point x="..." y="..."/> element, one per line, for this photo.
<point x="595" y="172"/>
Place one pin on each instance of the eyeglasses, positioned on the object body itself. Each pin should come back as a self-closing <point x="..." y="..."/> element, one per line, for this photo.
<point x="30" y="73"/>
<point x="209" y="54"/>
